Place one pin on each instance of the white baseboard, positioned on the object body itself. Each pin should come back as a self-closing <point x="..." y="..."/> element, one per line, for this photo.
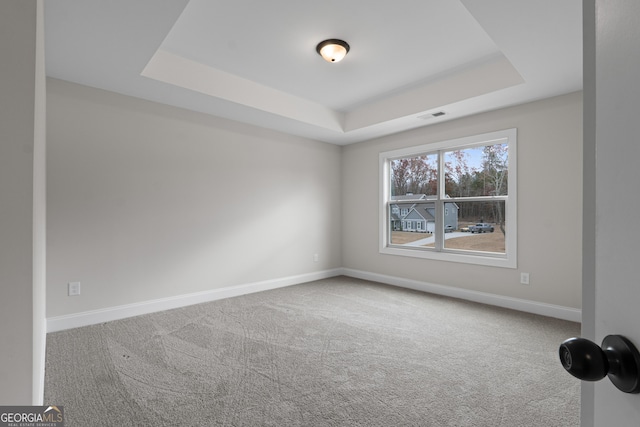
<point x="94" y="317"/>
<point x="550" y="310"/>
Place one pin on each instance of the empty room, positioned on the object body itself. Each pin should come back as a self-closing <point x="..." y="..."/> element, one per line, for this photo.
<point x="362" y="213"/>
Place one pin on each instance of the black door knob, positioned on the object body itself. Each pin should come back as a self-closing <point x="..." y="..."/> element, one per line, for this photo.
<point x="618" y="359"/>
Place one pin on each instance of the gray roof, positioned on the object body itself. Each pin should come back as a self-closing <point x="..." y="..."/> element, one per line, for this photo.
<point x="421" y="210"/>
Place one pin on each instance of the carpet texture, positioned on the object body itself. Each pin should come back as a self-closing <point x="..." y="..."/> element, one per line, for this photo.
<point x="336" y="352"/>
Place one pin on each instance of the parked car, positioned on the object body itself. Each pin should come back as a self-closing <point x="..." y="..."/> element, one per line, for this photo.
<point x="449" y="228"/>
<point x="481" y="227"/>
<point x="464" y="229"/>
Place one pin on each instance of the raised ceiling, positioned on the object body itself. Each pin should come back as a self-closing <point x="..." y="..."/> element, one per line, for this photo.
<point x="255" y="61"/>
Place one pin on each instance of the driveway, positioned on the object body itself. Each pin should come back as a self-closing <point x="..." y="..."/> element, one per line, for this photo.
<point x="432" y="239"/>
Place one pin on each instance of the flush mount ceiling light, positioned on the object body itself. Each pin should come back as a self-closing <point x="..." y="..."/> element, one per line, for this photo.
<point x="332" y="50"/>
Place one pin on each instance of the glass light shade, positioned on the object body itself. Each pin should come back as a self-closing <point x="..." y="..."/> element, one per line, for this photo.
<point x="333" y="50"/>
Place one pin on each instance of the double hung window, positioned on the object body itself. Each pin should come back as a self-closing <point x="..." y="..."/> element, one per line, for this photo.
<point x="461" y="192"/>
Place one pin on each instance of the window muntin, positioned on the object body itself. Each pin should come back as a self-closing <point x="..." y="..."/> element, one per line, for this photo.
<point x="449" y="186"/>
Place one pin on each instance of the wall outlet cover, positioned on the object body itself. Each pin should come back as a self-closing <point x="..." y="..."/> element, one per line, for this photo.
<point x="74" y="288"/>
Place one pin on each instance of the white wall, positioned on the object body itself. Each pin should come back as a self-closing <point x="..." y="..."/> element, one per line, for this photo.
<point x="147" y="201"/>
<point x="549" y="204"/>
<point x="21" y="203"/>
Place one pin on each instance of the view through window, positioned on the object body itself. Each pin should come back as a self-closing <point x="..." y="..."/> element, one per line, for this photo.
<point x="453" y="200"/>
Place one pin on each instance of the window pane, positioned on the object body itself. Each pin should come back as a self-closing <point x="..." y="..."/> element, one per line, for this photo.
<point x="411" y="223"/>
<point x="481" y="227"/>
<point x="477" y="171"/>
<point x="416" y="176"/>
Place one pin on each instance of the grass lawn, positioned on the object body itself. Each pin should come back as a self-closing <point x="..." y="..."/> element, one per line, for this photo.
<point x="403" y="237"/>
<point x="486" y="242"/>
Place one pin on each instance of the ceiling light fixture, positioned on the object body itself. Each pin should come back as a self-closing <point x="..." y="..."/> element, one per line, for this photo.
<point x="332" y="50"/>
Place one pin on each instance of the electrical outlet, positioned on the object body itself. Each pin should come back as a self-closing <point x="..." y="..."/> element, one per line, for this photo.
<point x="524" y="278"/>
<point x="74" y="289"/>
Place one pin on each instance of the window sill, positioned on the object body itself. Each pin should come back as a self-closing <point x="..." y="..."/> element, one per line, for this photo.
<point x="497" y="260"/>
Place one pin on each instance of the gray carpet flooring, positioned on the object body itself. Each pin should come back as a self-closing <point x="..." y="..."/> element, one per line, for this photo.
<point x="336" y="352"/>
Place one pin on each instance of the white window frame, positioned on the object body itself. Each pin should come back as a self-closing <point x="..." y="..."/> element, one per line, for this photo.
<point x="507" y="260"/>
